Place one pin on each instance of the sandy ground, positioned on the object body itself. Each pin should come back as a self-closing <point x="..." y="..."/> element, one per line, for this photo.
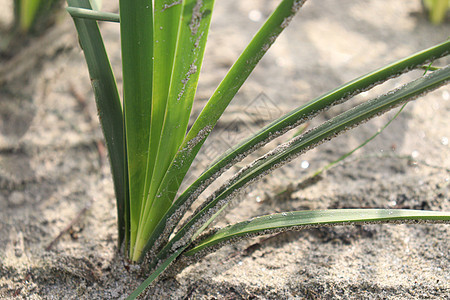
<point x="53" y="168"/>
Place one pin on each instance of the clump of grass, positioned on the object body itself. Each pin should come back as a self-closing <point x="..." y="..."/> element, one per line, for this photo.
<point x="151" y="148"/>
<point x="437" y="10"/>
<point x="31" y="17"/>
<point x="28" y="12"/>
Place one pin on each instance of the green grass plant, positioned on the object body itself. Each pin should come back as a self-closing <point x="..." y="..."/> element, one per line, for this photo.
<point x="437" y="10"/>
<point x="151" y="148"/>
<point x="27" y="12"/>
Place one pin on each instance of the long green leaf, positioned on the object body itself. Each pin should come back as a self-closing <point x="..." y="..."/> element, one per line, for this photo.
<point x="223" y="95"/>
<point x="96" y="4"/>
<point x="136" y="28"/>
<point x="303" y="219"/>
<point x="160" y="269"/>
<point x="339" y="124"/>
<point x="230" y="85"/>
<point x="83" y="13"/>
<point x="196" y="16"/>
<point x="311" y="109"/>
<point x="285" y="123"/>
<point x="288" y="151"/>
<point x="108" y="105"/>
<point x="190" y="47"/>
<point x="296" y="220"/>
<point x="165" y="31"/>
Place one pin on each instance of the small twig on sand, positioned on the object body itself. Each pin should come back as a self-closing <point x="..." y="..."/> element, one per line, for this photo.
<point x="82" y="102"/>
<point x="102" y="155"/>
<point x="68" y="227"/>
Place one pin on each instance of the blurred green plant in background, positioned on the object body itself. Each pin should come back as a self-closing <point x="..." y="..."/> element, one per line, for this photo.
<point x="27" y="13"/>
<point x="437" y="10"/>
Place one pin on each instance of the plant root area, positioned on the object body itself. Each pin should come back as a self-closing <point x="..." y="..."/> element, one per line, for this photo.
<point x="57" y="209"/>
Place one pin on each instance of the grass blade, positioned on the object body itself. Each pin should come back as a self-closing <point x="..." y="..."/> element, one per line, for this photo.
<point x="108" y="105"/>
<point x="223" y="95"/>
<point x="83" y="13"/>
<point x="165" y="31"/>
<point x="285" y="123"/>
<point x="288" y="151"/>
<point x="161" y="268"/>
<point x="136" y="27"/>
<point x="308" y="111"/>
<point x="96" y="4"/>
<point x="232" y="82"/>
<point x="304" y="219"/>
<point x="187" y="61"/>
